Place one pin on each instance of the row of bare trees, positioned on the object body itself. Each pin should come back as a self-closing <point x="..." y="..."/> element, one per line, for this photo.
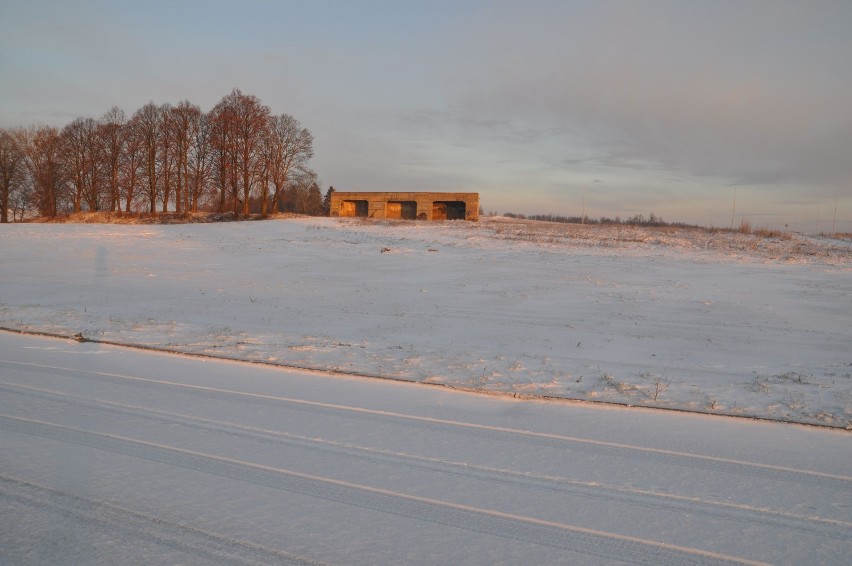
<point x="236" y="157"/>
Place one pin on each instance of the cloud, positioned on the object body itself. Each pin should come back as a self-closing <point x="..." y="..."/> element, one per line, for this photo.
<point x="752" y="94"/>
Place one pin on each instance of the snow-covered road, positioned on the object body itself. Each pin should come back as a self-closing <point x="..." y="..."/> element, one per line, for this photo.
<point x="117" y="456"/>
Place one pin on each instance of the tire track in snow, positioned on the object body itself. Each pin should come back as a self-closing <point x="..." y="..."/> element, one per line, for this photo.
<point x="491" y="522"/>
<point x="550" y="440"/>
<point x="815" y="525"/>
<point x="179" y="536"/>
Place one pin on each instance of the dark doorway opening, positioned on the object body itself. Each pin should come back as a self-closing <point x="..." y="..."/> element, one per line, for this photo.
<point x="448" y="210"/>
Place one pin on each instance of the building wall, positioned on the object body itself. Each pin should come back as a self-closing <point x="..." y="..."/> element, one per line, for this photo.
<point x="401" y="205"/>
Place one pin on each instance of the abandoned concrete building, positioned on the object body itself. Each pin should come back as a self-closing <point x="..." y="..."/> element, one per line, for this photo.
<point x="406" y="206"/>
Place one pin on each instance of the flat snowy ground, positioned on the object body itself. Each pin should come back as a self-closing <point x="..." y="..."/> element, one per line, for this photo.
<point x="116" y="456"/>
<point x="718" y="323"/>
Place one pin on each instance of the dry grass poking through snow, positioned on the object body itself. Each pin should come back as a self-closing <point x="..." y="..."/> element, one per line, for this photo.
<point x="761" y="244"/>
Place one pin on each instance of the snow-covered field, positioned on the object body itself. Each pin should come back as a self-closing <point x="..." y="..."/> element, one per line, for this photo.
<point x="713" y="322"/>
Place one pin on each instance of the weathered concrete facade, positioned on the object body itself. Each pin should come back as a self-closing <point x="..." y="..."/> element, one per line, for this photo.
<point x="406" y="206"/>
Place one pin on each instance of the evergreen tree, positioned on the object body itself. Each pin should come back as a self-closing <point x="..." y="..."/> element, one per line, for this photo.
<point x="326" y="201"/>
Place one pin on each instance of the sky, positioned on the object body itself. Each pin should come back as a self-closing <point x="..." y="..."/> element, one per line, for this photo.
<point x="707" y="112"/>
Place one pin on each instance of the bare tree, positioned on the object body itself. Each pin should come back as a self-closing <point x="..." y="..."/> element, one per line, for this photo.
<point x="20" y="202"/>
<point x="74" y="146"/>
<point x="247" y="121"/>
<point x="13" y="174"/>
<point x="48" y="174"/>
<point x="82" y="155"/>
<point x="223" y="146"/>
<point x="132" y="167"/>
<point x="303" y="194"/>
<point x="167" y="154"/>
<point x="200" y="160"/>
<point x="182" y="122"/>
<point x="113" y="137"/>
<point x="288" y="149"/>
<point x="147" y="125"/>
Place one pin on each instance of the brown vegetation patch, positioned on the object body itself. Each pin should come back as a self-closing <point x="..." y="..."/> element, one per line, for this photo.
<point x="761" y="244"/>
<point x="148" y="218"/>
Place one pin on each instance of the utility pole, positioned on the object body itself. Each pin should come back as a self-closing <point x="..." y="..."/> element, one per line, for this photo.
<point x="583" y="217"/>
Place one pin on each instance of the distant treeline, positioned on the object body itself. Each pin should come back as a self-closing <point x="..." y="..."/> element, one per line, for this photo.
<point x="237" y="157"/>
<point x="635" y="220"/>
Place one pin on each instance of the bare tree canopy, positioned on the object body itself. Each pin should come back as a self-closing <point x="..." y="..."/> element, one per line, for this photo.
<point x="12" y="171"/>
<point x="47" y="169"/>
<point x="288" y="149"/>
<point x="237" y="158"/>
<point x="113" y="137"/>
<point x="241" y="122"/>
